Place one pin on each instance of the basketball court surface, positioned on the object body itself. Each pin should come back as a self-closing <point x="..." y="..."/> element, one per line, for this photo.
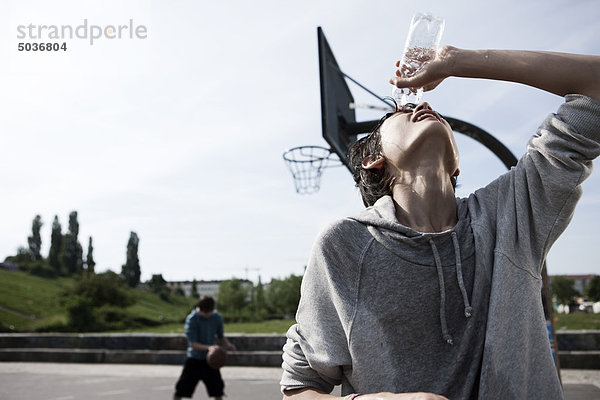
<point x="53" y="381"/>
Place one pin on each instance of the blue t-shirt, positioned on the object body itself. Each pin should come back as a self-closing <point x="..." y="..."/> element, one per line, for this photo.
<point x="202" y="330"/>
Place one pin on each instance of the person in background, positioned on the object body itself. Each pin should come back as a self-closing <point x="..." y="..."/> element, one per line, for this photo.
<point x="203" y="329"/>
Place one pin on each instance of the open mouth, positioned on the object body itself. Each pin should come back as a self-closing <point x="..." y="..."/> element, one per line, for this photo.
<point x="425" y="114"/>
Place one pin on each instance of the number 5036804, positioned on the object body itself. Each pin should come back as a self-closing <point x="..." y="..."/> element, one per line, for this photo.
<point x="42" y="46"/>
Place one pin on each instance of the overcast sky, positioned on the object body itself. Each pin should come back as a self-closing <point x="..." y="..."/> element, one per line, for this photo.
<point x="179" y="135"/>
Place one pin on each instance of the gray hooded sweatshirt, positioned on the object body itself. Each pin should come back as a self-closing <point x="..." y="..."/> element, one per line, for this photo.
<point x="385" y="308"/>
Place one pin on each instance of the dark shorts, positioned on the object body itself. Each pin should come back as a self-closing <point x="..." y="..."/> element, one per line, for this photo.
<point x="195" y="370"/>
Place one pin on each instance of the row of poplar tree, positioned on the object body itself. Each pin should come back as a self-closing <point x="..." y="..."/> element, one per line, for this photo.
<point x="65" y="257"/>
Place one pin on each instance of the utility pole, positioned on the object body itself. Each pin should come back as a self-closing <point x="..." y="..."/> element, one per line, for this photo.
<point x="250" y="269"/>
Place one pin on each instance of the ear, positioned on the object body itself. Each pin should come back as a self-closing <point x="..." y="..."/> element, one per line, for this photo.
<point x="457" y="172"/>
<point x="373" y="162"/>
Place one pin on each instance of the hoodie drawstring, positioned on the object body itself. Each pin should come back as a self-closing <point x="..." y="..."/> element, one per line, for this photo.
<point x="438" y="264"/>
<point x="459" y="277"/>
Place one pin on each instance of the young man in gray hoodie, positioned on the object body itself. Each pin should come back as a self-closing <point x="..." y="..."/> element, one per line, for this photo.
<point x="426" y="296"/>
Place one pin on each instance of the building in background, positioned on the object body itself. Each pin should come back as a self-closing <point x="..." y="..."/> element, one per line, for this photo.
<point x="204" y="288"/>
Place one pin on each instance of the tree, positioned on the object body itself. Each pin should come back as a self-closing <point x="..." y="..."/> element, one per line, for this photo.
<point x="259" y="302"/>
<point x="563" y="289"/>
<point x="159" y="286"/>
<point x="89" y="261"/>
<point x="22" y="258"/>
<point x="157" y="282"/>
<point x="283" y="295"/>
<point x="592" y="289"/>
<point x="232" y="299"/>
<point x="35" y="240"/>
<point x="54" y="256"/>
<point x="131" y="271"/>
<point x="72" y="257"/>
<point x="195" y="293"/>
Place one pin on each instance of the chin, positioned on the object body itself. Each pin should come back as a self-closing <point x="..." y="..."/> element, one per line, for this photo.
<point x="435" y="126"/>
<point x="437" y="135"/>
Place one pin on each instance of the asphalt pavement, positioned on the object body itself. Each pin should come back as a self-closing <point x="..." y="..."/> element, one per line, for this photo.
<point x="61" y="381"/>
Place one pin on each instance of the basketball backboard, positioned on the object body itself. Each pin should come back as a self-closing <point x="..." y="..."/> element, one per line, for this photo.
<point x="336" y="98"/>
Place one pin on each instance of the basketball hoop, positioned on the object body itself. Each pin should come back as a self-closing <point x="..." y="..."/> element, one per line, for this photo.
<point x="306" y="163"/>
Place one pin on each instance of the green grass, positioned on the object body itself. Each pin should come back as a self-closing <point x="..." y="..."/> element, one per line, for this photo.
<point x="30" y="294"/>
<point x="149" y="306"/>
<point x="11" y="319"/>
<point x="576" y="321"/>
<point x="28" y="301"/>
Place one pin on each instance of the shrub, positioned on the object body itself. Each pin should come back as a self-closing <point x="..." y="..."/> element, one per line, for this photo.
<point x="82" y="314"/>
<point x="42" y="269"/>
<point x="97" y="301"/>
<point x="105" y="288"/>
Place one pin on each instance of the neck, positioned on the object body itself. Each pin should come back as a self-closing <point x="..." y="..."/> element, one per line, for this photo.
<point x="203" y="314"/>
<point x="425" y="201"/>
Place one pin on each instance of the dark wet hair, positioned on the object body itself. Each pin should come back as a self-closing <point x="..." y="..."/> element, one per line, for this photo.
<point x="373" y="183"/>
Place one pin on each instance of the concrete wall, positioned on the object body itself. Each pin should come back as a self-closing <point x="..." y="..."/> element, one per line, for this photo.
<point x="252" y="350"/>
<point x="577" y="349"/>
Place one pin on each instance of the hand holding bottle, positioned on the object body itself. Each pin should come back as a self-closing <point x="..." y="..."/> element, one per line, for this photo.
<point x="420" y="49"/>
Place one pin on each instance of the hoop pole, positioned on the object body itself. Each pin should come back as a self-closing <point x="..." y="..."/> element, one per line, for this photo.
<point x="474" y="132"/>
<point x="355" y="106"/>
<point x="359" y="85"/>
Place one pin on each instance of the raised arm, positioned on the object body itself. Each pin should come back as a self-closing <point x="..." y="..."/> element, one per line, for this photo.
<point x="558" y="73"/>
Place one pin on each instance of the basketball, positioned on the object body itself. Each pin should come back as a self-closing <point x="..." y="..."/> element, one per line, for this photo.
<point x="216" y="357"/>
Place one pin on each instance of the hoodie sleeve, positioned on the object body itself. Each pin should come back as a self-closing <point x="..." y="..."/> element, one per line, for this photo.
<point x="316" y="351"/>
<point x="190" y="331"/>
<point x="527" y="209"/>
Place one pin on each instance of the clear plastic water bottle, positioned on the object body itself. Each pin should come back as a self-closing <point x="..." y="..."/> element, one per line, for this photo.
<point x="424" y="35"/>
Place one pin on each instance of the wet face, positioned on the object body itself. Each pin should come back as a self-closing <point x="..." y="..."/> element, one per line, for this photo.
<point x="418" y="137"/>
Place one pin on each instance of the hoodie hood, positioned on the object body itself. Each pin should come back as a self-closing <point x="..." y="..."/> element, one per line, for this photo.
<point x="382" y="224"/>
<point x="439" y="250"/>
